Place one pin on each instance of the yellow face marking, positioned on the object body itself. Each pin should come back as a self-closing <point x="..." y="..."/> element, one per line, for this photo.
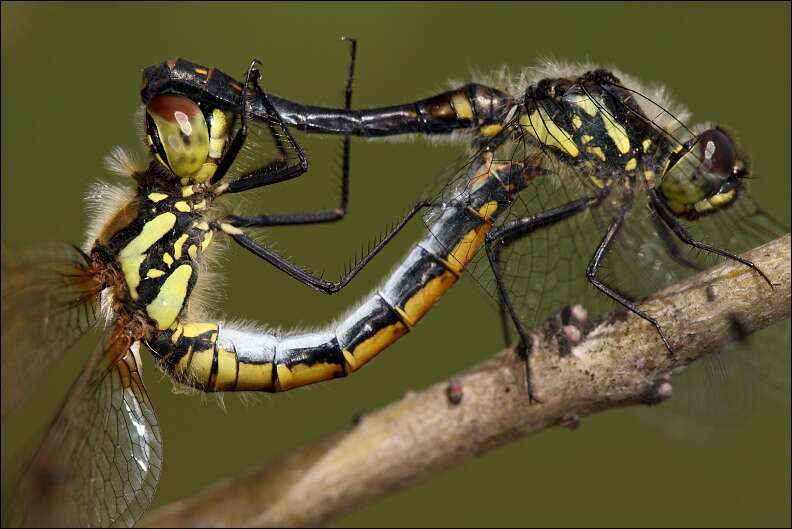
<point x="133" y="254"/>
<point x="588" y="106"/>
<point x="226" y="370"/>
<point x="207" y="240"/>
<point x="169" y="301"/>
<point x="646" y="144"/>
<point x="187" y="191"/>
<point x="462" y="106"/>
<point x="631" y="165"/>
<point x="154" y="273"/>
<point x="419" y="304"/>
<point x="370" y="347"/>
<point x="192" y="330"/>
<point x="540" y="126"/>
<point x="192" y="251"/>
<point x="177" y="246"/>
<point x="302" y="374"/>
<point x="182" y="206"/>
<point x="156" y="197"/>
<point x="597" y="151"/>
<point x="489" y="131"/>
<point x="649" y="178"/>
<point x="577" y="122"/>
<point x="617" y="134"/>
<point x="167" y="259"/>
<point x="254" y="377"/>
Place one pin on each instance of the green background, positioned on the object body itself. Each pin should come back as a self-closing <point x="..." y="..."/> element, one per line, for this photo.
<point x="70" y="80"/>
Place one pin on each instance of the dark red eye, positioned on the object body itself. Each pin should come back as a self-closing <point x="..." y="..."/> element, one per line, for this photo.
<point x="716" y="151"/>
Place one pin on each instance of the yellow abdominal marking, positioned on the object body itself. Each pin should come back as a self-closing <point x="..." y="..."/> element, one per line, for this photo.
<point x="166" y="257"/>
<point x="540" y="126"/>
<point x="632" y="164"/>
<point x="169" y="301"/>
<point x="419" y="304"/>
<point x="154" y="273"/>
<point x="206" y="240"/>
<point x="226" y="371"/>
<point x="368" y="349"/>
<point x="182" y="206"/>
<point x="302" y="374"/>
<point x="254" y="376"/>
<point x="133" y="254"/>
<point x="192" y="251"/>
<point x="646" y="144"/>
<point x="462" y="106"/>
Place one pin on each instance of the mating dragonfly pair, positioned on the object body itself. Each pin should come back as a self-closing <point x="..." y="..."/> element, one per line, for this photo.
<point x="568" y="168"/>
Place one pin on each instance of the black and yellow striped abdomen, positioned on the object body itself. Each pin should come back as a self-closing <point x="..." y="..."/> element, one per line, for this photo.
<point x="214" y="356"/>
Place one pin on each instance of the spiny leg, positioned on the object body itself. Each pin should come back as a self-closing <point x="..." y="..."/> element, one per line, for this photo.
<point x="596" y="261"/>
<point x="683" y="235"/>
<point x="307" y="278"/>
<point x="510" y="233"/>
<point x="319" y="216"/>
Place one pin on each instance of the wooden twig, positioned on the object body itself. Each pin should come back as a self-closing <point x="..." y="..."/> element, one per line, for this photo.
<point x="621" y="362"/>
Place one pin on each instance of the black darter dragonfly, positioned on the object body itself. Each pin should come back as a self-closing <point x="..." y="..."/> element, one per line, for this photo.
<point x="566" y="164"/>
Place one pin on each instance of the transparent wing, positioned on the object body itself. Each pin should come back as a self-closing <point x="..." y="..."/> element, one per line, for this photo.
<point x="546" y="271"/>
<point x="99" y="463"/>
<point x="50" y="298"/>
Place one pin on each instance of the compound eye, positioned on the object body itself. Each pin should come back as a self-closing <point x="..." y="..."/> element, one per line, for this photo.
<point x="717" y="153"/>
<point x="180" y="134"/>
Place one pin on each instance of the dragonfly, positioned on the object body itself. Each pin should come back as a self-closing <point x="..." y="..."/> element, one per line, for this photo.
<point x="545" y="155"/>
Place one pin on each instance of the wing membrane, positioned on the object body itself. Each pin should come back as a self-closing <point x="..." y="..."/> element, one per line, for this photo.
<point x="99" y="463"/>
<point x="547" y="271"/>
<point x="50" y="298"/>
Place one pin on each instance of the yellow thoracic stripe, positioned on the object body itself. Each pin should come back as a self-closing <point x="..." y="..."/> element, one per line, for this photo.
<point x="133" y="254"/>
<point x="169" y="301"/>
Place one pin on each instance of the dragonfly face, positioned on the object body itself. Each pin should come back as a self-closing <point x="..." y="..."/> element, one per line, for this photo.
<point x="704" y="175"/>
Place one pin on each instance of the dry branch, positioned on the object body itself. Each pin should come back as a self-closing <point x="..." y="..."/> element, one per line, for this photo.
<point x="622" y="362"/>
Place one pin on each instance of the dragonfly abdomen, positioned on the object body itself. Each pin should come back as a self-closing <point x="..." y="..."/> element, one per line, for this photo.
<point x="215" y="356"/>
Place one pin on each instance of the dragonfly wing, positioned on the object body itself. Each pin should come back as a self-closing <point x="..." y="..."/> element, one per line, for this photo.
<point x="50" y="298"/>
<point x="99" y="464"/>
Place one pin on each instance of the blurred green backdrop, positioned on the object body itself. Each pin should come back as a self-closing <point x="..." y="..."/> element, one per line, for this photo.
<point x="70" y="79"/>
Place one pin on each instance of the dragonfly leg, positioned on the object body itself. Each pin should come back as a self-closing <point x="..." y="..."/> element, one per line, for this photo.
<point x="279" y="170"/>
<point x="596" y="261"/>
<point x="313" y="217"/>
<point x="683" y="235"/>
<point x="307" y="278"/>
<point x="507" y="234"/>
<point x="671" y="248"/>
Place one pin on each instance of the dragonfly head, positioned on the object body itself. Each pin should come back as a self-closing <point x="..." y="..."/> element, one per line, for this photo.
<point x="178" y="136"/>
<point x="703" y="175"/>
